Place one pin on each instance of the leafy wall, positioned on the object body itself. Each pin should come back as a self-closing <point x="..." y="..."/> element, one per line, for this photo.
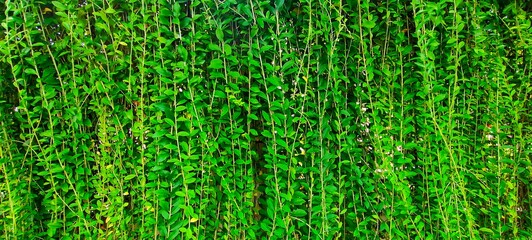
<point x="265" y="119"/>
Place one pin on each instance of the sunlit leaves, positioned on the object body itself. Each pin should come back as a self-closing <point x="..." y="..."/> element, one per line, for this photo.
<point x="265" y="119"/>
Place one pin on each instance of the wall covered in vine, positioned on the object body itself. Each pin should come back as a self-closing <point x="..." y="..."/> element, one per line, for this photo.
<point x="259" y="119"/>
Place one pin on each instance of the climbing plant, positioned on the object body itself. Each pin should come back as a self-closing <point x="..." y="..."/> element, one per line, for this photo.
<point x="262" y="119"/>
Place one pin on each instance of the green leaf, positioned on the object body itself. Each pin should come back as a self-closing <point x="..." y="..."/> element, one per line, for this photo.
<point x="214" y="47"/>
<point x="282" y="143"/>
<point x="180" y="108"/>
<point x="183" y="134"/>
<point x="220" y="94"/>
<point x="164" y="214"/>
<point x="299" y="213"/>
<point x="110" y="10"/>
<point x="30" y="71"/>
<point x="331" y="189"/>
<point x="279" y="4"/>
<point x="287" y="65"/>
<point x="47" y="133"/>
<point x="171" y="146"/>
<point x="129" y="177"/>
<point x="161" y="106"/>
<point x="163" y="72"/>
<point x="439" y="98"/>
<point x="253" y="117"/>
<point x="220" y="34"/>
<point x="216" y="64"/>
<point x="59" y="6"/>
<point x="368" y="24"/>
<point x="267" y="133"/>
<point x="169" y="121"/>
<point x="227" y="49"/>
<point x="266" y="116"/>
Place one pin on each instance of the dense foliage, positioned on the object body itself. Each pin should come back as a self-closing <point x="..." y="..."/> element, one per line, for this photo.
<point x="265" y="119"/>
